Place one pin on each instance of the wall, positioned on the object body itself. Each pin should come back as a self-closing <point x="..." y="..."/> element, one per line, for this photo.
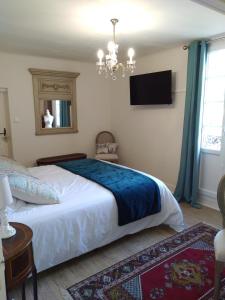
<point x="150" y="136"/>
<point x="92" y="105"/>
<point x="211" y="170"/>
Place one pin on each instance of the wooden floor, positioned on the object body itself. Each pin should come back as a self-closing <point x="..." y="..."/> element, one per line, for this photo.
<point x="65" y="275"/>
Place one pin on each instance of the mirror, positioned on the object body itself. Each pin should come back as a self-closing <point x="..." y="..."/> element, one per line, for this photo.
<point x="55" y="113"/>
<point x="54" y="101"/>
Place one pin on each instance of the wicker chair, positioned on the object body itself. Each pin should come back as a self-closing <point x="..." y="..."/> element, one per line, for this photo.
<point x="219" y="241"/>
<point x="104" y="137"/>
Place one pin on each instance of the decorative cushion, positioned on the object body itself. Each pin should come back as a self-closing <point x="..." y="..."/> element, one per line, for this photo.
<point x="10" y="165"/>
<point x="31" y="189"/>
<point x="219" y="245"/>
<point x="112" y="147"/>
<point x="106" y="148"/>
<point x="109" y="157"/>
<point x="102" y="148"/>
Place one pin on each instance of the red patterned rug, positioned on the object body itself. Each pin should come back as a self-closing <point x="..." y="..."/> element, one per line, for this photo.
<point x="180" y="267"/>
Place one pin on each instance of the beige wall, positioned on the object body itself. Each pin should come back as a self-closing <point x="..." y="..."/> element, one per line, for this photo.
<point x="150" y="136"/>
<point x="92" y="104"/>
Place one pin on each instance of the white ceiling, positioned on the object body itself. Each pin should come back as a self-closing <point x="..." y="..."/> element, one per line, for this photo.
<point x="75" y="29"/>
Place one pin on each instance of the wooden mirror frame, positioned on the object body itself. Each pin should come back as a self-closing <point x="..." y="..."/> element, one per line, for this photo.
<point x="54" y="85"/>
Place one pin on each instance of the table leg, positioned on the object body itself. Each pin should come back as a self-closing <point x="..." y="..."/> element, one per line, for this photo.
<point x="34" y="278"/>
<point x="24" y="291"/>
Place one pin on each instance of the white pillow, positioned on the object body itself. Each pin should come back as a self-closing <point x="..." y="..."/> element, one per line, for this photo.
<point x="112" y="147"/>
<point x="8" y="165"/>
<point x="32" y="190"/>
<point x="102" y="149"/>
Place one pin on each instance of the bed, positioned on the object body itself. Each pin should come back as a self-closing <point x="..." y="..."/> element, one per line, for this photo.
<point x="85" y="219"/>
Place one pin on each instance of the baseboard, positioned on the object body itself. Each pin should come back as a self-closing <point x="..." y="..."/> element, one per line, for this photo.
<point x="206" y="197"/>
<point x="170" y="186"/>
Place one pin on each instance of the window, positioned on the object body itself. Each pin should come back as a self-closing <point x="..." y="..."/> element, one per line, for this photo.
<point x="213" y="104"/>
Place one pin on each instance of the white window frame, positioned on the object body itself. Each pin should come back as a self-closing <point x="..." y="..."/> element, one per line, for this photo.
<point x="218" y="45"/>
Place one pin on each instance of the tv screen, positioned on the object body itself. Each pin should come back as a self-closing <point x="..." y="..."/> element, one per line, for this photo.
<point x="151" y="88"/>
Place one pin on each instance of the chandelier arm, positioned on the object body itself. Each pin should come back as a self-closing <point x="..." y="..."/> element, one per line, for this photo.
<point x="111" y="65"/>
<point x="121" y="65"/>
<point x="114" y="22"/>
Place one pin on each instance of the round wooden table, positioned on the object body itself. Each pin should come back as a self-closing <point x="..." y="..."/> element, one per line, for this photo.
<point x="19" y="261"/>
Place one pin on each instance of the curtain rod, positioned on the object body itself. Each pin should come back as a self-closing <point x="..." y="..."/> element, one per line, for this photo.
<point x="185" y="47"/>
<point x="216" y="38"/>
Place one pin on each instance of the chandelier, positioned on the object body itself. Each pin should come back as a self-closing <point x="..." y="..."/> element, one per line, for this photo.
<point x="111" y="65"/>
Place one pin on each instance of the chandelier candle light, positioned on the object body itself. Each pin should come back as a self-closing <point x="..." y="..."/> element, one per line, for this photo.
<point x="111" y="65"/>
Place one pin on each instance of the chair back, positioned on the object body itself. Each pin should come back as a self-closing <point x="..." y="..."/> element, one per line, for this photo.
<point x="221" y="198"/>
<point x="105" y="137"/>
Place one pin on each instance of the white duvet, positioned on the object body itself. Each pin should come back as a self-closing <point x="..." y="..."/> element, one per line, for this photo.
<point x="85" y="219"/>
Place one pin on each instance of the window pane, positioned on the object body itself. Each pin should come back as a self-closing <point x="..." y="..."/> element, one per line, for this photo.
<point x="213" y="114"/>
<point x="214" y="89"/>
<point x="211" y="138"/>
<point x="213" y="109"/>
<point x="216" y="63"/>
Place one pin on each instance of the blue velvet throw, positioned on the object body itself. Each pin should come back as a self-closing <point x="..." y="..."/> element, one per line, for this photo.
<point x="137" y="195"/>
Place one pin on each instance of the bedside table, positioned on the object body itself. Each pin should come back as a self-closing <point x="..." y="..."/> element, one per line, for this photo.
<point x="19" y="261"/>
<point x="55" y="159"/>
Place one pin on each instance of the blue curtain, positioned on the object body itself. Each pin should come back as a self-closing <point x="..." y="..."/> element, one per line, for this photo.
<point x="188" y="178"/>
<point x="64" y="113"/>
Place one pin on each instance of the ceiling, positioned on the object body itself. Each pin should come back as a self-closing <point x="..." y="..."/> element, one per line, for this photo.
<point x="75" y="29"/>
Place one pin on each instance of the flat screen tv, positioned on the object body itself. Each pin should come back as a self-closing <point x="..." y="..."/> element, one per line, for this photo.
<point x="151" y="88"/>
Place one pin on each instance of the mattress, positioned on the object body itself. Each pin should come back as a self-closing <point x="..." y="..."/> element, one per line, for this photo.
<point x="85" y="219"/>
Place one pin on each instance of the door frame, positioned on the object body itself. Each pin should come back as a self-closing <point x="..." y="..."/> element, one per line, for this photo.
<point x="9" y="131"/>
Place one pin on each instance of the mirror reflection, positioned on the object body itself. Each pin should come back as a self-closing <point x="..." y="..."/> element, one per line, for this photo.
<point x="55" y="113"/>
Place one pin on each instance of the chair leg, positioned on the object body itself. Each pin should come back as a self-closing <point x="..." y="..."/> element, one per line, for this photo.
<point x="34" y="278"/>
<point x="24" y="291"/>
<point x="218" y="269"/>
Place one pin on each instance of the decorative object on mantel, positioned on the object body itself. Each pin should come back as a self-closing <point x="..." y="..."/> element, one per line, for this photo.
<point x="48" y="119"/>
<point x="55" y="99"/>
<point x="111" y="64"/>
<point x="179" y="267"/>
<point x="6" y="230"/>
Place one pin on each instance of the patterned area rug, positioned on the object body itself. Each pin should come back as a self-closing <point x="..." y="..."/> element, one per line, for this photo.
<point x="180" y="267"/>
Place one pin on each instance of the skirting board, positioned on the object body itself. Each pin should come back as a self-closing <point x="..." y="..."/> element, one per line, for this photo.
<point x="206" y="197"/>
<point x="170" y="187"/>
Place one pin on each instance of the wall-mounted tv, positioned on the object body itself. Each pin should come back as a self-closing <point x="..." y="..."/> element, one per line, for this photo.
<point x="151" y="88"/>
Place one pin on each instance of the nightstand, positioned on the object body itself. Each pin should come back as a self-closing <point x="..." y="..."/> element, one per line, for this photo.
<point x="55" y="159"/>
<point x="19" y="261"/>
